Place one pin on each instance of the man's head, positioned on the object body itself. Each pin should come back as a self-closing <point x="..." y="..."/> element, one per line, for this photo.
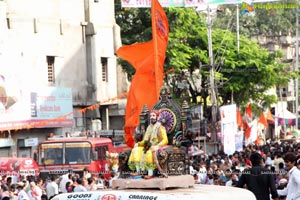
<point x="290" y="160"/>
<point x="154" y="114"/>
<point x="20" y="185"/>
<point x="256" y="159"/>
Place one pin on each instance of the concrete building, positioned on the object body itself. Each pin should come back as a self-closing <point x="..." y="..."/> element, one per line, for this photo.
<point x="285" y="43"/>
<point x="286" y="94"/>
<point x="60" y="55"/>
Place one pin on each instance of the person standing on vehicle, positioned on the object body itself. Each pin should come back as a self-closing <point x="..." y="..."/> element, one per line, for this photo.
<point x="258" y="179"/>
<point x="292" y="190"/>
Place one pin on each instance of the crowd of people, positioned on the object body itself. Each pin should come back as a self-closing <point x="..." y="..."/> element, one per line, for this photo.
<point x="265" y="170"/>
<point x="271" y="171"/>
<point x="34" y="188"/>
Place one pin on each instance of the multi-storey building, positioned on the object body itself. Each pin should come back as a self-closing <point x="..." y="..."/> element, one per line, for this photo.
<point x="286" y="94"/>
<point x="287" y="44"/>
<point x="57" y="59"/>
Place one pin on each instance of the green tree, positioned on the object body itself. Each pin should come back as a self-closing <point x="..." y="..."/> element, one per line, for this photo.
<point x="246" y="74"/>
<point x="261" y="21"/>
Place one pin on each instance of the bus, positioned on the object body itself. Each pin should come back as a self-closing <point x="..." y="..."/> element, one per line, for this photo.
<point x="57" y="156"/>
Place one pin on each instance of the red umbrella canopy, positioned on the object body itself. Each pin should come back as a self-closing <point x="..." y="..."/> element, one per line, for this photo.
<point x="23" y="166"/>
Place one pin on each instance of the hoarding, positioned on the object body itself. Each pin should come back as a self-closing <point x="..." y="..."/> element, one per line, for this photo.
<point x="228" y="128"/>
<point x="184" y="3"/>
<point x="38" y="106"/>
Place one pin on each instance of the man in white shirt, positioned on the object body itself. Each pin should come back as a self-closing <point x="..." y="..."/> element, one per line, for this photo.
<point x="80" y="187"/>
<point x="52" y="188"/>
<point x="202" y="174"/>
<point x="22" y="195"/>
<point x="64" y="179"/>
<point x="35" y="192"/>
<point x="292" y="190"/>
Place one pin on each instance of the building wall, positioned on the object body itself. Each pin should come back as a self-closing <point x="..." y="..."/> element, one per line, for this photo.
<point x="286" y="44"/>
<point x="78" y="33"/>
<point x="286" y="95"/>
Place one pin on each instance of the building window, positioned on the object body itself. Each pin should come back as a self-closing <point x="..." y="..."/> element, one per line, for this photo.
<point x="104" y="69"/>
<point x="51" y="74"/>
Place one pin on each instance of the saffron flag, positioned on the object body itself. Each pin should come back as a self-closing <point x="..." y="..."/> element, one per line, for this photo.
<point x="248" y="132"/>
<point x="223" y="114"/>
<point x="148" y="60"/>
<point x="249" y="110"/>
<point x="263" y="120"/>
<point x="239" y="119"/>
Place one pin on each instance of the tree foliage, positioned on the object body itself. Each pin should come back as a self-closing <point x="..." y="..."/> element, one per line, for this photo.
<point x="267" y="21"/>
<point x="245" y="74"/>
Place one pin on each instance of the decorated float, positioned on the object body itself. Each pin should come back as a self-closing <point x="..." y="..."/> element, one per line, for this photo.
<point x="172" y="160"/>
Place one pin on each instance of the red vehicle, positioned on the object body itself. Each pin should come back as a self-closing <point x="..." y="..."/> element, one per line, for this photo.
<point x="60" y="155"/>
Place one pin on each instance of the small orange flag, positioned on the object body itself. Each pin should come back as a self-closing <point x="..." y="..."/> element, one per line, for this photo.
<point x="223" y="114"/>
<point x="263" y="120"/>
<point x="247" y="132"/>
<point x="249" y="110"/>
<point x="239" y="119"/>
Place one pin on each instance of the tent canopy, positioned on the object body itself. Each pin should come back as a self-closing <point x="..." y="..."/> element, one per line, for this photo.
<point x="21" y="166"/>
<point x="285" y="114"/>
<point x="285" y="117"/>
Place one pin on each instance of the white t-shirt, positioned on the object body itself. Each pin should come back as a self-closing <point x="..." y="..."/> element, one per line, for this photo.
<point x="80" y="188"/>
<point x="63" y="182"/>
<point x="38" y="193"/>
<point x="51" y="189"/>
<point x="22" y="195"/>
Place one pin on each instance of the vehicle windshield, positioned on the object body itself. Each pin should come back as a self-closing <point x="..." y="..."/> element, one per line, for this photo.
<point x="78" y="153"/>
<point x="65" y="153"/>
<point x="51" y="154"/>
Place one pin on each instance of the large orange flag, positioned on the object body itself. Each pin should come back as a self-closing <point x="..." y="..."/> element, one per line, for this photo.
<point x="263" y="120"/>
<point x="148" y="60"/>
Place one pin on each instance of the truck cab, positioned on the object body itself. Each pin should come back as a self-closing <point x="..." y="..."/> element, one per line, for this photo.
<point x="57" y="156"/>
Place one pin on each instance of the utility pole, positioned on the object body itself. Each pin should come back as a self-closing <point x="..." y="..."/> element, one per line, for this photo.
<point x="212" y="78"/>
<point x="237" y="37"/>
<point x="297" y="64"/>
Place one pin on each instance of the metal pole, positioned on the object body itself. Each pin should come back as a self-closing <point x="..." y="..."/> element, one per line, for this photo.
<point x="297" y="65"/>
<point x="212" y="77"/>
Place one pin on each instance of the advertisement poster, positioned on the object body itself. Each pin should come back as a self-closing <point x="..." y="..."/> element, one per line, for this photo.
<point x="228" y="128"/>
<point x="25" y="106"/>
